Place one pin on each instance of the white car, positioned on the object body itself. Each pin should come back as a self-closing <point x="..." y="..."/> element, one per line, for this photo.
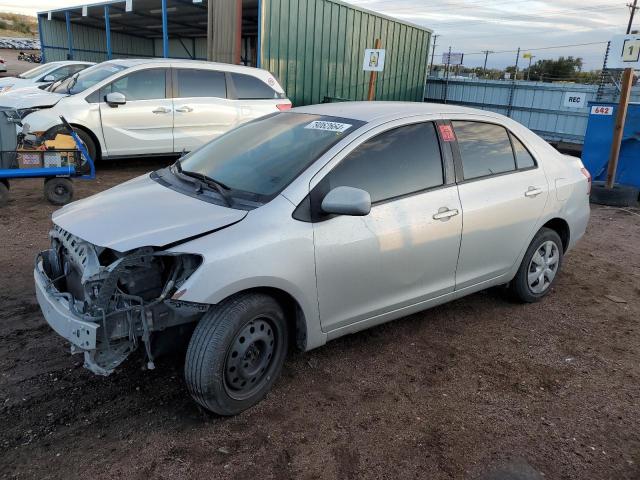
<point x="44" y="74"/>
<point x="303" y="226"/>
<point x="123" y="108"/>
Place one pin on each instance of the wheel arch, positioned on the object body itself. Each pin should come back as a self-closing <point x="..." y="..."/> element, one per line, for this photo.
<point x="94" y="137"/>
<point x="296" y="319"/>
<point x="561" y="227"/>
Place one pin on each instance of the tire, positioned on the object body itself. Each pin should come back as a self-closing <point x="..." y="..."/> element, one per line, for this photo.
<point x="59" y="191"/>
<point x="4" y="193"/>
<point x="618" y="196"/>
<point x="88" y="143"/>
<point x="236" y="353"/>
<point x="528" y="288"/>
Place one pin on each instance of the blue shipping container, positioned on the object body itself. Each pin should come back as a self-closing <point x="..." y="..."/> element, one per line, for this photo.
<point x="598" y="139"/>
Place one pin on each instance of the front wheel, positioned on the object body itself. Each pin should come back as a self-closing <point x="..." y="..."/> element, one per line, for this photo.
<point x="236" y="353"/>
<point x="539" y="267"/>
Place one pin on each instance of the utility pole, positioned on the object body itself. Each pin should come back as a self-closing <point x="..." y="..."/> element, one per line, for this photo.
<point x="433" y="51"/>
<point x="621" y="116"/>
<point x="484" y="67"/>
<point x="446" y="83"/>
<point x="633" y="8"/>
<point x="531" y="57"/>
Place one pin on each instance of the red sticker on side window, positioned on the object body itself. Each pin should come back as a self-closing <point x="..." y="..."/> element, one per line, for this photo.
<point x="446" y="132"/>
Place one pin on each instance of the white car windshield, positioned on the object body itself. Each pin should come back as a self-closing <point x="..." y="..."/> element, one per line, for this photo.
<point x="34" y="72"/>
<point x="87" y="78"/>
<point x="263" y="156"/>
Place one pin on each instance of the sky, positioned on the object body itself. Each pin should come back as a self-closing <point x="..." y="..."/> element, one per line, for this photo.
<point x="471" y="26"/>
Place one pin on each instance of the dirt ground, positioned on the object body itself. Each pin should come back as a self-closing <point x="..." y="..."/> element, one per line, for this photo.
<point x="458" y="391"/>
<point x="15" y="66"/>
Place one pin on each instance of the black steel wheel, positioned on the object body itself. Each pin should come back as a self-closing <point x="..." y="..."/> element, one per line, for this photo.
<point x="4" y="193"/>
<point x="236" y="353"/>
<point x="59" y="191"/>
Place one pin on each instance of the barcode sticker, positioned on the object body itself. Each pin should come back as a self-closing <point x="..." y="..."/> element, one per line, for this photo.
<point x="328" y="126"/>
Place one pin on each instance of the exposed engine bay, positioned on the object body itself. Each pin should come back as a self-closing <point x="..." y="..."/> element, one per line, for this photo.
<point x="127" y="296"/>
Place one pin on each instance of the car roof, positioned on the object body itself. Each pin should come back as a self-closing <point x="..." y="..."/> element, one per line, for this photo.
<point x="132" y="62"/>
<point x="69" y="62"/>
<point x="372" y="111"/>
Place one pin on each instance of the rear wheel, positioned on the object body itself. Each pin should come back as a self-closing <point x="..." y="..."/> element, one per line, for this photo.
<point x="236" y="353"/>
<point x="59" y="191"/>
<point x="539" y="267"/>
<point x="4" y="193"/>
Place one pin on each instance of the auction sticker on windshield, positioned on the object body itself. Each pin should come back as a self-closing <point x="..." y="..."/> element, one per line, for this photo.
<point x="328" y="126"/>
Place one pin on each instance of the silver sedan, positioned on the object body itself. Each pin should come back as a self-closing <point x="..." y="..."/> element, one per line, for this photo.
<point x="303" y="226"/>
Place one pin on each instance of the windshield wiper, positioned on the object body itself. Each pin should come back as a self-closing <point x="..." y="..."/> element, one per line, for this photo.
<point x="72" y="83"/>
<point x="208" y="181"/>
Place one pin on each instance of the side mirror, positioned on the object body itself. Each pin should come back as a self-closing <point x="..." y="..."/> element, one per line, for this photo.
<point x="115" y="98"/>
<point x="49" y="78"/>
<point x="347" y="201"/>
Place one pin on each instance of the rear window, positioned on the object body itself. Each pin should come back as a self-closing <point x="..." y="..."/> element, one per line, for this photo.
<point x="201" y="83"/>
<point x="252" y="88"/>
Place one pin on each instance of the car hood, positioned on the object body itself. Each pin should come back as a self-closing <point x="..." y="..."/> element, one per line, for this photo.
<point x="141" y="213"/>
<point x="30" y="97"/>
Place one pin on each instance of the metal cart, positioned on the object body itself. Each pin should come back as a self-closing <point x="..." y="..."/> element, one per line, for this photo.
<point x="23" y="155"/>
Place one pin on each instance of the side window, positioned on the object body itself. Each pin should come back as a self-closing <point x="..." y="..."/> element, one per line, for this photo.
<point x="64" y="72"/>
<point x="248" y="87"/>
<point x="523" y="157"/>
<point x="141" y="85"/>
<point x="201" y="83"/>
<point x="485" y="149"/>
<point x="397" y="162"/>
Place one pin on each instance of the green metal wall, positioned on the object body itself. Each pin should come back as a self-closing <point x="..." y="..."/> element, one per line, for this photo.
<point x="316" y="49"/>
<point x="90" y="44"/>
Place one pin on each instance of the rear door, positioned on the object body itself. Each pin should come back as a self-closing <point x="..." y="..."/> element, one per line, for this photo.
<point x="144" y="124"/>
<point x="503" y="193"/>
<point x="202" y="109"/>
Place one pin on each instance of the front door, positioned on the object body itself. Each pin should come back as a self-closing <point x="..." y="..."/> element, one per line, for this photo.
<point x="502" y="200"/>
<point x="202" y="108"/>
<point x="405" y="251"/>
<point x="144" y="124"/>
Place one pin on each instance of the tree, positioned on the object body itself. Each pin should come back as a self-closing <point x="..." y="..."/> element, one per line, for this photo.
<point x="562" y="69"/>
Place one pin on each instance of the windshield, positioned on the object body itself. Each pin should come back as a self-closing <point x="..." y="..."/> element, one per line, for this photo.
<point x="87" y="78"/>
<point x="34" y="72"/>
<point x="263" y="156"/>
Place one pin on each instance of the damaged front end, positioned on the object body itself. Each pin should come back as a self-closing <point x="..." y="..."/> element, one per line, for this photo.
<point x="106" y="302"/>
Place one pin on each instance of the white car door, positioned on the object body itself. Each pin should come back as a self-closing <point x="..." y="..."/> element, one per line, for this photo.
<point x="202" y="110"/>
<point x="405" y="251"/>
<point x="502" y="201"/>
<point x="144" y="124"/>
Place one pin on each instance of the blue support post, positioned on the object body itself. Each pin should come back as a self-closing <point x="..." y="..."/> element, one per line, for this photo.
<point x="107" y="29"/>
<point x="42" y="53"/>
<point x="165" y="31"/>
<point x="258" y="59"/>
<point x="67" y="17"/>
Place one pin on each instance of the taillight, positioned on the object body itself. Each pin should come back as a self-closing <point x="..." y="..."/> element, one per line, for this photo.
<point x="586" y="173"/>
<point x="283" y="106"/>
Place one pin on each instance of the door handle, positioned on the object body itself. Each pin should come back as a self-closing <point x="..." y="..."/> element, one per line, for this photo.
<point x="162" y="110"/>
<point x="533" y="192"/>
<point x="444" y="213"/>
<point x="184" y="109"/>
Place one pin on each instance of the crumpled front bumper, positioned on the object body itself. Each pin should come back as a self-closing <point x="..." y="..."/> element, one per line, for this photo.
<point x="58" y="314"/>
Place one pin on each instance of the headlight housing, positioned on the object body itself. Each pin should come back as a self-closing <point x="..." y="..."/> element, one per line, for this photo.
<point x="23" y="112"/>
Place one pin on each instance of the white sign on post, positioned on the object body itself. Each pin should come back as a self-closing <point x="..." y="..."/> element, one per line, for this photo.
<point x="575" y="99"/>
<point x="128" y="5"/>
<point x="453" y="58"/>
<point x="373" y="60"/>
<point x="84" y="11"/>
<point x="624" y="52"/>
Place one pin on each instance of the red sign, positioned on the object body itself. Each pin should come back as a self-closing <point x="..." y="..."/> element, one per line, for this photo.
<point x="446" y="132"/>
